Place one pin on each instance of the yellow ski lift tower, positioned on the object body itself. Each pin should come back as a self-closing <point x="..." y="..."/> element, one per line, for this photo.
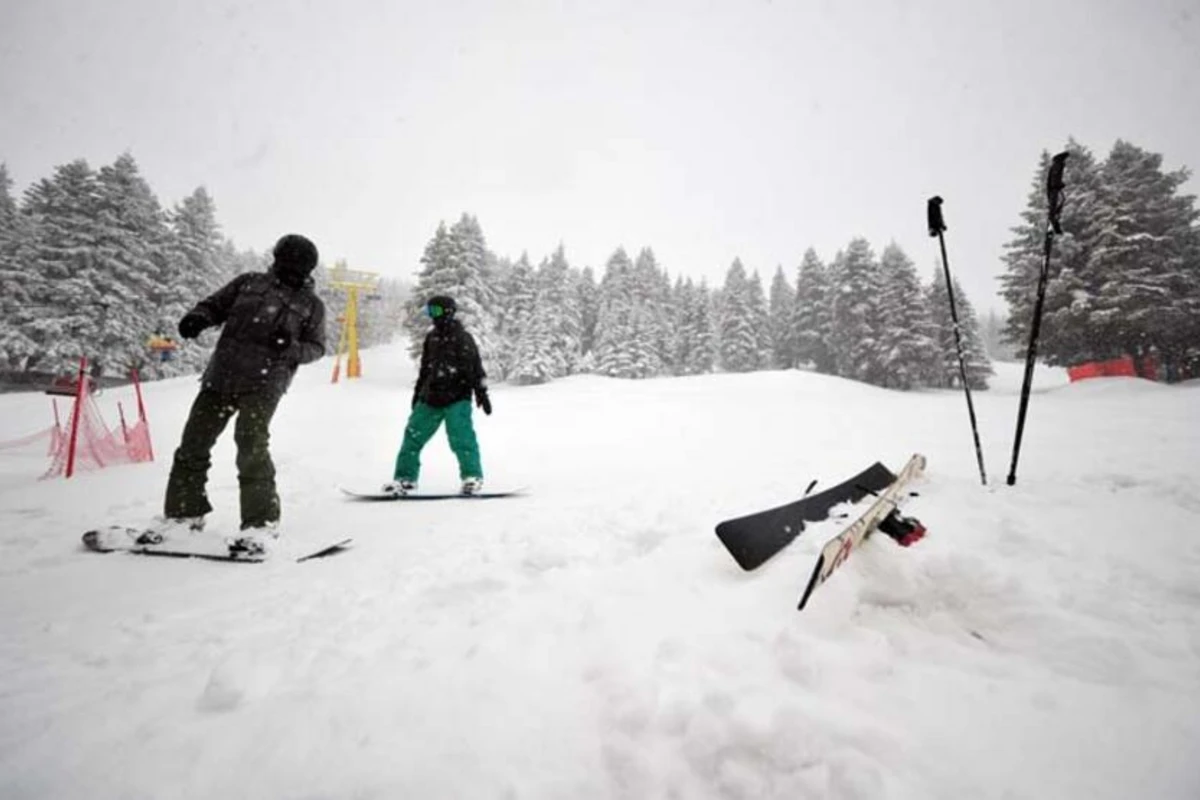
<point x="351" y="281"/>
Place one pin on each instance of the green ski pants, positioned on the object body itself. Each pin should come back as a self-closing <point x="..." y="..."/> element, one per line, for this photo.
<point x="211" y="412"/>
<point x="423" y="424"/>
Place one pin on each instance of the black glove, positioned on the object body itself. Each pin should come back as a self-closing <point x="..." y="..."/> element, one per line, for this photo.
<point x="281" y="340"/>
<point x="481" y="400"/>
<point x="192" y="324"/>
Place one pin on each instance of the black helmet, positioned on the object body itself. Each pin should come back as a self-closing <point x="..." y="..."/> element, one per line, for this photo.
<point x="440" y="307"/>
<point x="295" y="258"/>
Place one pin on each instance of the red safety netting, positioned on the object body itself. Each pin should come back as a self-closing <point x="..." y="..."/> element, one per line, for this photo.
<point x="53" y="433"/>
<point x="90" y="444"/>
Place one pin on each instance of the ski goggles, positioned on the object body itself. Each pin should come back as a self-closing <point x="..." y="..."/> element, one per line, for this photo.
<point x="434" y="311"/>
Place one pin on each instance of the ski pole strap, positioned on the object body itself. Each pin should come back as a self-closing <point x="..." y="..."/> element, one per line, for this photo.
<point x="1054" y="187"/>
<point x="933" y="213"/>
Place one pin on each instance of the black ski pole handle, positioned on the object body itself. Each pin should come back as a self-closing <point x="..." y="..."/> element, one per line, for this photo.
<point x="933" y="213"/>
<point x="1054" y="187"/>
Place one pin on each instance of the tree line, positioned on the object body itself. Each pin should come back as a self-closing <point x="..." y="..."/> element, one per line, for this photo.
<point x="92" y="264"/>
<point x="860" y="316"/>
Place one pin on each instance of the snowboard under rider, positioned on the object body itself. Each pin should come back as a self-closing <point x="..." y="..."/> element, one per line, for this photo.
<point x="451" y="372"/>
<point x="273" y="322"/>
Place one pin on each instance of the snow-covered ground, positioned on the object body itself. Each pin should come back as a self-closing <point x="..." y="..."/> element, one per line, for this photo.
<point x="593" y="639"/>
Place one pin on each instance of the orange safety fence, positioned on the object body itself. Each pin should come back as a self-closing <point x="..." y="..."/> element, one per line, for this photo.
<point x="1116" y="367"/>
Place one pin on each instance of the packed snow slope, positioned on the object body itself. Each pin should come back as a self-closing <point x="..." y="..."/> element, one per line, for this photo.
<point x="593" y="639"/>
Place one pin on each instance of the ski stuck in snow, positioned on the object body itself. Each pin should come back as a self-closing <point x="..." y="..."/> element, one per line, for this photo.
<point x="883" y="514"/>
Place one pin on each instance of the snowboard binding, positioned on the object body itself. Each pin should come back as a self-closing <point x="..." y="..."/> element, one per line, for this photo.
<point x="906" y="531"/>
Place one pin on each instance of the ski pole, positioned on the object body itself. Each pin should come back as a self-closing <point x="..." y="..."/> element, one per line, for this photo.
<point x="937" y="225"/>
<point x="1054" y="203"/>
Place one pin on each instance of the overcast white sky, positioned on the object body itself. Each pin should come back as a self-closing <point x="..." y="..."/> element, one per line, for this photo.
<point x="706" y="130"/>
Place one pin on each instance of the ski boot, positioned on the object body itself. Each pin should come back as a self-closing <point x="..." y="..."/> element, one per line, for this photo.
<point x="472" y="486"/>
<point x="399" y="488"/>
<point x="166" y="529"/>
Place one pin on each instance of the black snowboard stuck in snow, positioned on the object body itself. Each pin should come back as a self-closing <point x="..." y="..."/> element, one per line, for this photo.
<point x="753" y="539"/>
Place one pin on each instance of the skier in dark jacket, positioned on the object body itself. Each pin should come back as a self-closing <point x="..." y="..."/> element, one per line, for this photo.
<point x="273" y="322"/>
<point x="451" y="372"/>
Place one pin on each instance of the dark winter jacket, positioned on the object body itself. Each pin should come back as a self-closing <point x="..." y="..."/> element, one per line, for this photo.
<point x="451" y="369"/>
<point x="270" y="329"/>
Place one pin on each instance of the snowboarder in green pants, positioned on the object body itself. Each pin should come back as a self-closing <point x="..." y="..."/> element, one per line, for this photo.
<point x="451" y="372"/>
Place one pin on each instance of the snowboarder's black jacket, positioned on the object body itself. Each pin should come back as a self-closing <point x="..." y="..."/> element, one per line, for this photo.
<point x="270" y="329"/>
<point x="451" y="369"/>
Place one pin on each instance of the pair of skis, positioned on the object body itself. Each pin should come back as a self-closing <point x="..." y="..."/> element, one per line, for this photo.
<point x="755" y="538"/>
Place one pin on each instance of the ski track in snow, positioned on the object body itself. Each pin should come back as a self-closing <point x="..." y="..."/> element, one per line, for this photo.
<point x="593" y="639"/>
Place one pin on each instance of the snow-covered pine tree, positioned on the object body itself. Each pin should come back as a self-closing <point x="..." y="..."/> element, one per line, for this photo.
<point x="559" y="301"/>
<point x="651" y="315"/>
<point x="67" y="311"/>
<point x="517" y="300"/>
<point x="544" y="310"/>
<point x="812" y="315"/>
<point x="476" y="300"/>
<point x="614" y="319"/>
<point x="434" y="278"/>
<point x="703" y="358"/>
<point x="198" y="269"/>
<point x="662" y="315"/>
<point x="8" y="205"/>
<point x="762" y="322"/>
<point x="739" y="322"/>
<point x="910" y="346"/>
<point x="1140" y="259"/>
<point x="16" y="311"/>
<point x="131" y="275"/>
<point x="457" y="263"/>
<point x="978" y="366"/>
<point x="1188" y="365"/>
<point x="666" y="317"/>
<point x="779" y="322"/>
<point x="533" y="353"/>
<point x="587" y="294"/>
<point x="677" y="345"/>
<point x="1066" y="336"/>
<point x="855" y="294"/>
<point x="195" y="269"/>
<point x="695" y="351"/>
